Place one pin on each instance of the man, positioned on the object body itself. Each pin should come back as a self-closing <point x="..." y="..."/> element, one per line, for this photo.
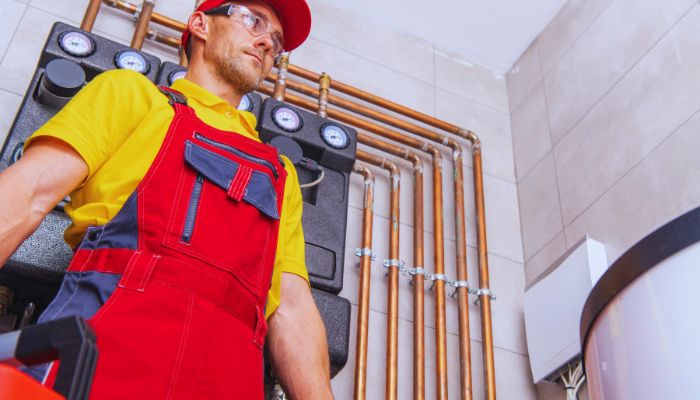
<point x="186" y="228"/>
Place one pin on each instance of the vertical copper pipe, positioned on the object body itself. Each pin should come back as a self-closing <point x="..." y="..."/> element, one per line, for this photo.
<point x="485" y="295"/>
<point x="439" y="285"/>
<point x="144" y="17"/>
<point x="324" y="83"/>
<point x="462" y="291"/>
<point x="418" y="270"/>
<point x="90" y="15"/>
<point x="418" y="284"/>
<point x="360" y="387"/>
<point x="281" y="81"/>
<point x="392" y="332"/>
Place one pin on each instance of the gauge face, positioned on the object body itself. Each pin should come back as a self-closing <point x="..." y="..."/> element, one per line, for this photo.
<point x="17" y="153"/>
<point x="335" y="136"/>
<point x="286" y="118"/>
<point x="175" y="75"/>
<point x="133" y="60"/>
<point x="246" y="103"/>
<point x="76" y="43"/>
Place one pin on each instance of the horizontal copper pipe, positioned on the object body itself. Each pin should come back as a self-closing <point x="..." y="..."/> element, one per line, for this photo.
<point x="163" y="38"/>
<point x="392" y="335"/>
<point x="360" y="386"/>
<point x="159" y="19"/>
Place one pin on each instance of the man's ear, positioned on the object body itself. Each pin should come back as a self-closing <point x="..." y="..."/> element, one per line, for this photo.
<point x="198" y="25"/>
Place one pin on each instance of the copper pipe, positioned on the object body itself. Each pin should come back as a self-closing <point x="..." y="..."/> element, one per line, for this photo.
<point x="418" y="281"/>
<point x="441" y="339"/>
<point x="159" y="19"/>
<point x="485" y="295"/>
<point x="392" y="330"/>
<point x="90" y="16"/>
<point x="144" y="17"/>
<point x="360" y="387"/>
<point x="462" y="290"/>
<point x="280" y="82"/>
<point x="163" y="38"/>
<point x="324" y="83"/>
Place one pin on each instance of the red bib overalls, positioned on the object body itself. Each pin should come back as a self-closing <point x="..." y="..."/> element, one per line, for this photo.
<point x="176" y="284"/>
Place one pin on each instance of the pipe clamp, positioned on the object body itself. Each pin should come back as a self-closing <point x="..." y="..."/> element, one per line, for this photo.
<point x="365" y="252"/>
<point x="482" y="292"/>
<point x="458" y="284"/>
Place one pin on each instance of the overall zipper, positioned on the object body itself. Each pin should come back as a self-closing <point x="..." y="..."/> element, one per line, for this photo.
<point x="239" y="153"/>
<point x="192" y="209"/>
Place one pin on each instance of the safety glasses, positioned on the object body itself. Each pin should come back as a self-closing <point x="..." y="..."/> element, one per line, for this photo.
<point x="256" y="25"/>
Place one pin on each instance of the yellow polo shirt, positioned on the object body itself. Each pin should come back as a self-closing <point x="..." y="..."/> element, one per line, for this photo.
<point x="117" y="123"/>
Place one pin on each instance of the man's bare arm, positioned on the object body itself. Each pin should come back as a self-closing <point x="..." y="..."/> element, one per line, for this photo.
<point x="297" y="343"/>
<point x="30" y="188"/>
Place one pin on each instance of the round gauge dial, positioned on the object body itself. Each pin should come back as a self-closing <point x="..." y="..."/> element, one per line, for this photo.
<point x="335" y="136"/>
<point x="76" y="43"/>
<point x="246" y="103"/>
<point x="133" y="60"/>
<point x="287" y="118"/>
<point x="175" y="75"/>
<point x="17" y="153"/>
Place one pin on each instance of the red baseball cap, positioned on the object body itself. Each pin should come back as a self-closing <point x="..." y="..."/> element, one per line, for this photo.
<point x="294" y="15"/>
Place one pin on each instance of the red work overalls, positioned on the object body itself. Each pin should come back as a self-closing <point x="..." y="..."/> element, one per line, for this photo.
<point x="175" y="285"/>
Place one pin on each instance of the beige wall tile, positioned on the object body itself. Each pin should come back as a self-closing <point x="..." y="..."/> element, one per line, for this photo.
<point x="13" y="11"/>
<point x="9" y="104"/>
<point x="367" y="73"/>
<point x="593" y="65"/>
<point x="343" y="30"/>
<point x="656" y="97"/>
<point x="471" y="81"/>
<point x="573" y="19"/>
<point x="530" y="127"/>
<point x="539" y="263"/>
<point x="17" y="67"/>
<point x="490" y="125"/>
<point x="539" y="207"/>
<point x="524" y="76"/>
<point x="660" y="188"/>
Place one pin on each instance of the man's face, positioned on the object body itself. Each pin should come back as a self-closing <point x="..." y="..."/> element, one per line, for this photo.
<point x="238" y="57"/>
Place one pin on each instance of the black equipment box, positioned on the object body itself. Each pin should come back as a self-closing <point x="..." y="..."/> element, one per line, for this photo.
<point x="332" y="146"/>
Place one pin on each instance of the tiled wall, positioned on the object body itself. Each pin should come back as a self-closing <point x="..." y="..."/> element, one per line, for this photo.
<point x="604" y="116"/>
<point x="403" y="69"/>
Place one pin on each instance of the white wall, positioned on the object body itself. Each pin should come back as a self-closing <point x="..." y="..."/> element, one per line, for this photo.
<point x="403" y="69"/>
<point x="604" y="115"/>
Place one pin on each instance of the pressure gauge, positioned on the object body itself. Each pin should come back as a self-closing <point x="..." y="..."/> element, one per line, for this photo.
<point x="246" y="103"/>
<point x="17" y="153"/>
<point x="335" y="136"/>
<point x="287" y="118"/>
<point x="133" y="60"/>
<point x="175" y="75"/>
<point x="76" y="43"/>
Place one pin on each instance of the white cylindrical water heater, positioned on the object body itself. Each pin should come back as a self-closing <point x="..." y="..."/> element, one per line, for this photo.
<point x="640" y="330"/>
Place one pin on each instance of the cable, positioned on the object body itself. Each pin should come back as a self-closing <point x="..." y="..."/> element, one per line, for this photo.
<point x="574" y="381"/>
<point x="314" y="183"/>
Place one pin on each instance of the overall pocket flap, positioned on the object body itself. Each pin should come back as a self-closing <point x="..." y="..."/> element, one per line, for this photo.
<point x="220" y="170"/>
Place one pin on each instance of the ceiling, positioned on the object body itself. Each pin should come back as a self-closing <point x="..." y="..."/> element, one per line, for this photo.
<point x="491" y="33"/>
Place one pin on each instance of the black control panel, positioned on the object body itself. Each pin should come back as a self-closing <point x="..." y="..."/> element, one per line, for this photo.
<point x="327" y="156"/>
<point x="71" y="58"/>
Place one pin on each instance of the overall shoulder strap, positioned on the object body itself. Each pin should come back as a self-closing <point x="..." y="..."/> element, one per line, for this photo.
<point x="177" y="100"/>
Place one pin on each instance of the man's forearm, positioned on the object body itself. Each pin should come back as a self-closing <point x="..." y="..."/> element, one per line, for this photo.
<point x="30" y="188"/>
<point x="297" y="343"/>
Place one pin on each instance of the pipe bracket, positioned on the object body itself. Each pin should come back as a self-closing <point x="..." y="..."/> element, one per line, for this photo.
<point x="417" y="270"/>
<point x="437" y="277"/>
<point x="482" y="292"/>
<point x="458" y="284"/>
<point x="394" y="263"/>
<point x="365" y="252"/>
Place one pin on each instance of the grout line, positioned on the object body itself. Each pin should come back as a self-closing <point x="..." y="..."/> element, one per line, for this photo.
<point x="14" y="33"/>
<point x="573" y="42"/>
<point x="622" y="77"/>
<point x="605" y="95"/>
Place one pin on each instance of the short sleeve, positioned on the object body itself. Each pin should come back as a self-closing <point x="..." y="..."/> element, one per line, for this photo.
<point x="293" y="257"/>
<point x="95" y="123"/>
